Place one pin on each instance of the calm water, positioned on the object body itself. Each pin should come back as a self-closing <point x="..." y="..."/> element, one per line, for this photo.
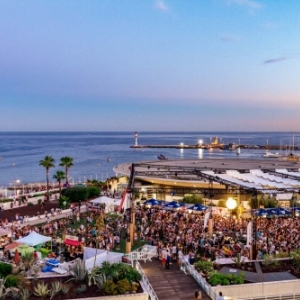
<point x="21" y="152"/>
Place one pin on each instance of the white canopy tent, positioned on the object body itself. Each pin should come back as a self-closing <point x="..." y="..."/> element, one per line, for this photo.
<point x="34" y="239"/>
<point x="110" y="203"/>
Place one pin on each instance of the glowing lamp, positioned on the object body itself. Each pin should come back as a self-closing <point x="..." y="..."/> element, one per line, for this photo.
<point x="231" y="203"/>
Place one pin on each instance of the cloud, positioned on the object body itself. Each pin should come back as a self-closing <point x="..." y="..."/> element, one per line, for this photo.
<point x="160" y="5"/>
<point x="230" y="38"/>
<point x="275" y="60"/>
<point x="247" y="3"/>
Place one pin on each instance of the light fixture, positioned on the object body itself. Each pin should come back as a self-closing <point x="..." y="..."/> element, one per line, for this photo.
<point x="231" y="203"/>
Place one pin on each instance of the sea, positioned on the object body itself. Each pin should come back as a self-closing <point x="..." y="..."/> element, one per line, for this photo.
<point x="96" y="153"/>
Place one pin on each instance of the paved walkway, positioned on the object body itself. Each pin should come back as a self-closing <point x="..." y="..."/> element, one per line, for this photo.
<point x="171" y="284"/>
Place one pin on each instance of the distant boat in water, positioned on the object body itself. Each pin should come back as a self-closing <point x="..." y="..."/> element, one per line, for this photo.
<point x="269" y="154"/>
<point x="231" y="146"/>
<point x="162" y="157"/>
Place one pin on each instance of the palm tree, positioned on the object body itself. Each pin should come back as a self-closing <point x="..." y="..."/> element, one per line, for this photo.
<point x="66" y="162"/>
<point x="59" y="176"/>
<point x="47" y="163"/>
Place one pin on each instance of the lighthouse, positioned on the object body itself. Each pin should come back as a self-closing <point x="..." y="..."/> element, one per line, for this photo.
<point x="136" y="139"/>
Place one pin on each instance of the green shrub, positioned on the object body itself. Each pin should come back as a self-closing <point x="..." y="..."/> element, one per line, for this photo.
<point x="5" y="200"/>
<point x="29" y="204"/>
<point x="76" y="193"/>
<point x="81" y="288"/>
<point x="226" y="279"/>
<point x="40" y="201"/>
<point x="38" y="195"/>
<point x="63" y="202"/>
<point x="93" y="191"/>
<point x="5" y="269"/>
<point x="110" y="288"/>
<point x="12" y="281"/>
<point x="192" y="198"/>
<point x="270" y="261"/>
<point x="123" y="286"/>
<point x="236" y="279"/>
<point x="204" y="266"/>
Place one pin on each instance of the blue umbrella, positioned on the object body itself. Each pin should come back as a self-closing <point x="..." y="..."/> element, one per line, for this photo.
<point x="281" y="211"/>
<point x="271" y="212"/>
<point x="198" y="207"/>
<point x="296" y="211"/>
<point x="173" y="205"/>
<point x="152" y="202"/>
<point x="262" y="212"/>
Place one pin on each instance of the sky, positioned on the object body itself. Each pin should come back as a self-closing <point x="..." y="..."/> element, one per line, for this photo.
<point x="149" y="65"/>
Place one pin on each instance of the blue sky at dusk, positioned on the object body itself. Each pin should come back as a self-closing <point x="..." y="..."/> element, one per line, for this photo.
<point x="111" y="65"/>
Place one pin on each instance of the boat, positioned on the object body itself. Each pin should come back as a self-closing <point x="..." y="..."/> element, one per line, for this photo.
<point x="232" y="146"/>
<point x="162" y="157"/>
<point x="268" y="154"/>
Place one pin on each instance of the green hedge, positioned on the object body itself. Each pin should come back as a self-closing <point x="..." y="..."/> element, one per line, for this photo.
<point x="12" y="281"/>
<point x="75" y="194"/>
<point x="81" y="193"/>
<point x="94" y="191"/>
<point x="5" y="269"/>
<point x="5" y="200"/>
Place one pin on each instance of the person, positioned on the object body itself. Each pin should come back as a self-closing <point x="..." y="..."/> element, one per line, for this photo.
<point x="198" y="295"/>
<point x="220" y="297"/>
<point x="164" y="257"/>
<point x="168" y="260"/>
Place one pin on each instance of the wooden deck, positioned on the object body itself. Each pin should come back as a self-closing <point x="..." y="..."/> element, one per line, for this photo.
<point x="171" y="284"/>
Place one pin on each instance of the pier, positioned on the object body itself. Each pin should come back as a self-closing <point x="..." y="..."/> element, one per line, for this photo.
<point x="219" y="146"/>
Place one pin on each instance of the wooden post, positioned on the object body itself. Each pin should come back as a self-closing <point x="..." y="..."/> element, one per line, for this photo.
<point x="210" y="227"/>
<point x="131" y="231"/>
<point x="128" y="247"/>
<point x="251" y="253"/>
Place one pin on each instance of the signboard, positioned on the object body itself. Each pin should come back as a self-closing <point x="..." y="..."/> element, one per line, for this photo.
<point x="70" y="237"/>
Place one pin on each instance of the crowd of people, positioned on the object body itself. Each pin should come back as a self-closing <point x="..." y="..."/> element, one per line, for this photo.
<point x="172" y="231"/>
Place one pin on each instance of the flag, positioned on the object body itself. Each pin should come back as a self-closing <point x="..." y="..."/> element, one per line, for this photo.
<point x="206" y="218"/>
<point x="249" y="233"/>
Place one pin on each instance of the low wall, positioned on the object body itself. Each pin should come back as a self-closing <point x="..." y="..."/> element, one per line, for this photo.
<point x="140" y="296"/>
<point x="264" y="289"/>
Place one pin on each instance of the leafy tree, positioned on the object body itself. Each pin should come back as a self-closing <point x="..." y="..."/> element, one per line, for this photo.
<point x="63" y="202"/>
<point x="76" y="193"/>
<point x="222" y="203"/>
<point x="47" y="163"/>
<point x="93" y="191"/>
<point x="270" y="203"/>
<point x="253" y="202"/>
<point x="66" y="162"/>
<point x="59" y="176"/>
<point x="192" y="198"/>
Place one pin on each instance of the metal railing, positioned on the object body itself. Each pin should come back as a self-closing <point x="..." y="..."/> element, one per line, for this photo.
<point x="190" y="269"/>
<point x="148" y="286"/>
<point x="277" y="297"/>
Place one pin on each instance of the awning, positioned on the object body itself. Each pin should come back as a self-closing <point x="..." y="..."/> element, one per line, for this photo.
<point x="12" y="246"/>
<point x="72" y="243"/>
<point x="286" y="196"/>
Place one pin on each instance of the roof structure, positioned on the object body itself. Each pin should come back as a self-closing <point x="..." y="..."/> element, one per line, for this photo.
<point x="248" y="175"/>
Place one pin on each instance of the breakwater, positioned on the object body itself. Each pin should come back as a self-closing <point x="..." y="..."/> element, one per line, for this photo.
<point x="220" y="146"/>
